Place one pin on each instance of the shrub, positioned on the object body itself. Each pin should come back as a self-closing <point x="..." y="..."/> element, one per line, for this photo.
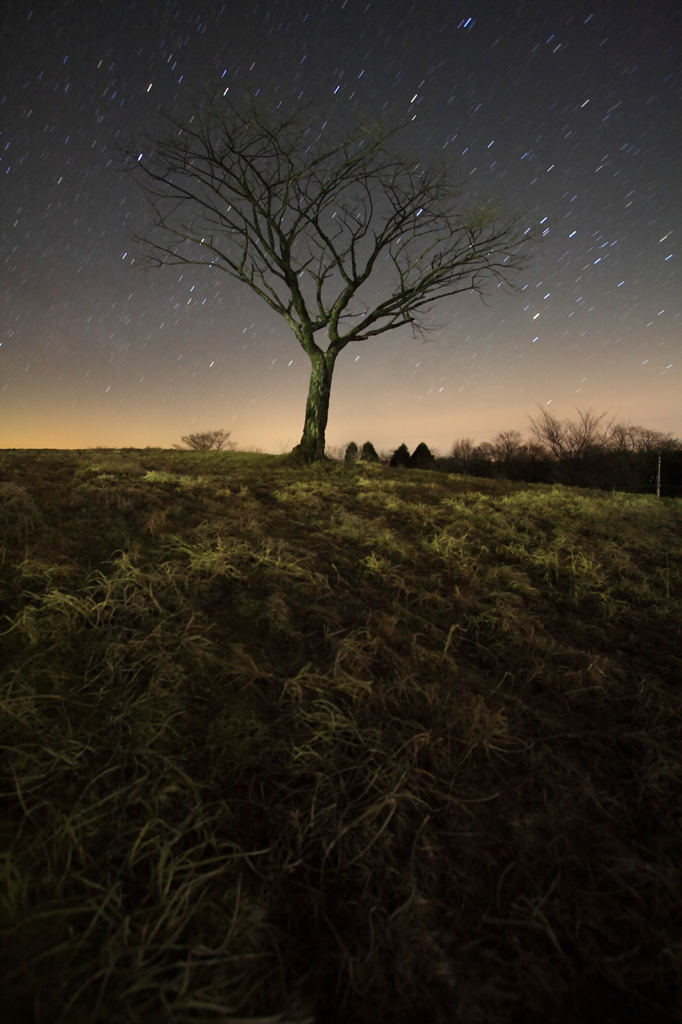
<point x="422" y="457"/>
<point x="351" y="453"/>
<point x="369" y="453"/>
<point x="207" y="441"/>
<point x="401" y="456"/>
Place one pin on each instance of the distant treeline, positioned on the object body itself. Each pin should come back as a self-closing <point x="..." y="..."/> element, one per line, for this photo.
<point x="587" y="452"/>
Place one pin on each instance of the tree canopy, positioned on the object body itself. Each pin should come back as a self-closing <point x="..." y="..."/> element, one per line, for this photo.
<point x="332" y="227"/>
<point x="207" y="441"/>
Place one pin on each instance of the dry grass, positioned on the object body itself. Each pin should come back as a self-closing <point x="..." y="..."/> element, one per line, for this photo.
<point x="338" y="743"/>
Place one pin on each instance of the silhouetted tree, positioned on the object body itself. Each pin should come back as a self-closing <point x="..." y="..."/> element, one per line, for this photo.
<point x="624" y="438"/>
<point x="577" y="448"/>
<point x="421" y="457"/>
<point x="462" y="453"/>
<point x="401" y="456"/>
<point x="305" y="214"/>
<point x="207" y="441"/>
<point x="369" y="452"/>
<point x="571" y="440"/>
<point x="631" y="460"/>
<point x="507" y="445"/>
<point x="351" y="453"/>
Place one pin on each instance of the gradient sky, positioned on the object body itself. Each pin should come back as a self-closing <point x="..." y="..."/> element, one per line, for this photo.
<point x="568" y="111"/>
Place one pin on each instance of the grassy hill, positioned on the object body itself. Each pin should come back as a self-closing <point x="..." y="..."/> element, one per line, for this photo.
<point x="335" y="744"/>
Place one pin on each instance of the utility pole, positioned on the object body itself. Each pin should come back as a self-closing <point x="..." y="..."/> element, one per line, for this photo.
<point x="658" y="477"/>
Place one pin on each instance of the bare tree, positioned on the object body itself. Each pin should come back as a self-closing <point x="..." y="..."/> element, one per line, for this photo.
<point x="207" y="441"/>
<point x="631" y="439"/>
<point x="507" y="445"/>
<point x="463" y="452"/>
<point x="571" y="440"/>
<point x="331" y="227"/>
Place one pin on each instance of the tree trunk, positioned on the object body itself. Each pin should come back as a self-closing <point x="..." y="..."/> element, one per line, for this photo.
<point x="311" y="446"/>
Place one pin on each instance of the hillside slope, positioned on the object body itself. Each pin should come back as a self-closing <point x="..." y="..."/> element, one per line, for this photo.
<point x="338" y="743"/>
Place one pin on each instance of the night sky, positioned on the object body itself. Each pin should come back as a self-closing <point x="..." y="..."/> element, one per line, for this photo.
<point x="567" y="111"/>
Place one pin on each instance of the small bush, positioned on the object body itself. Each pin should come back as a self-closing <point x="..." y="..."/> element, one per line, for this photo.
<point x="369" y="452"/>
<point x="422" y="458"/>
<point x="207" y="441"/>
<point x="351" y="453"/>
<point x="401" y="456"/>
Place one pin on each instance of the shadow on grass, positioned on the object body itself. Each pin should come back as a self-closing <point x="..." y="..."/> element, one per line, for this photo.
<point x="335" y="743"/>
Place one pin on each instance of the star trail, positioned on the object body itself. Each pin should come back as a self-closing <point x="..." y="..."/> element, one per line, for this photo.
<point x="566" y="112"/>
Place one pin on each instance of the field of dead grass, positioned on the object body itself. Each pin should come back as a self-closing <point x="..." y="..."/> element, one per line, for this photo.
<point x="335" y="744"/>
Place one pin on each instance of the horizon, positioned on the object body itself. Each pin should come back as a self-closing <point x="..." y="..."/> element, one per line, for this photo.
<point x="571" y="119"/>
